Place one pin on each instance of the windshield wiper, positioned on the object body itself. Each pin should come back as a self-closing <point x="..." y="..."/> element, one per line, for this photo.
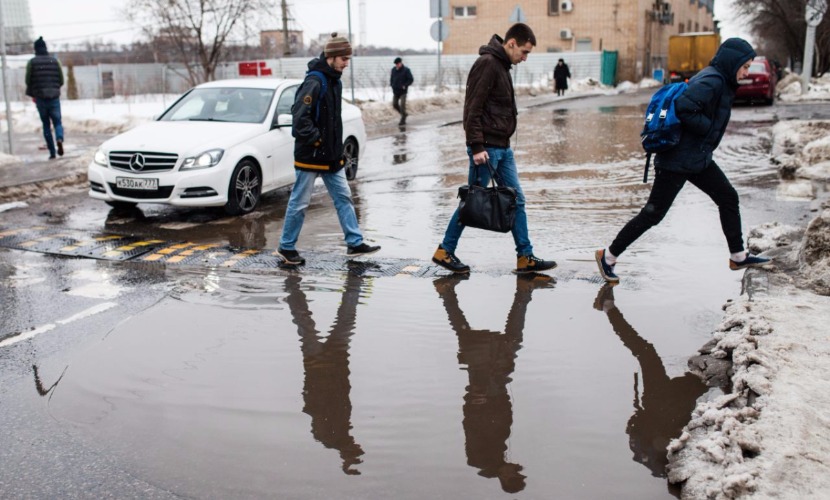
<point x="207" y="120"/>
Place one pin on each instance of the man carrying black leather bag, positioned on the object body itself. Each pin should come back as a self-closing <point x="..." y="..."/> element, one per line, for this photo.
<point x="489" y="121"/>
<point x="492" y="208"/>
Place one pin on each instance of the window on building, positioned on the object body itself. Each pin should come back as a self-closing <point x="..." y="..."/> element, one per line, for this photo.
<point x="680" y="28"/>
<point x="553" y="7"/>
<point x="464" y="12"/>
<point x="689" y="25"/>
<point x="697" y="27"/>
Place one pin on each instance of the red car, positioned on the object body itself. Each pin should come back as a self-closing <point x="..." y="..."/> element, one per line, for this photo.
<point x="759" y="85"/>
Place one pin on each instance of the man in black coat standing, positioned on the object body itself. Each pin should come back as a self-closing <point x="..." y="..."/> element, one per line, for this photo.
<point x="704" y="110"/>
<point x="44" y="79"/>
<point x="561" y="73"/>
<point x="400" y="81"/>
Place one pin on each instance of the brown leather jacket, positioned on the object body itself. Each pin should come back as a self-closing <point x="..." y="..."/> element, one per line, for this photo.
<point x="490" y="104"/>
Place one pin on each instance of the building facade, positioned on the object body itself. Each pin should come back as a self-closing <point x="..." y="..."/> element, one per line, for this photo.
<point x="638" y="30"/>
<point x="18" y="22"/>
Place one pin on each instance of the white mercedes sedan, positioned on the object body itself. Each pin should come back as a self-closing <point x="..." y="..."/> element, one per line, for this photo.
<point x="221" y="144"/>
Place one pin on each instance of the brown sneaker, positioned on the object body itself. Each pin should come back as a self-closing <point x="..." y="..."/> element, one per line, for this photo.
<point x="449" y="261"/>
<point x="532" y="264"/>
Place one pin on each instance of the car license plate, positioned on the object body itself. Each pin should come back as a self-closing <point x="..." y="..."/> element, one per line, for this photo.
<point x="140" y="184"/>
<point x="745" y="81"/>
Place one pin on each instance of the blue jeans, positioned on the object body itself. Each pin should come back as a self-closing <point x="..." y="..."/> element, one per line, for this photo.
<point x="341" y="194"/>
<point x="506" y="175"/>
<point x="50" y="114"/>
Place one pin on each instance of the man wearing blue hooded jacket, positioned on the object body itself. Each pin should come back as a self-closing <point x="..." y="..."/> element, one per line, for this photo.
<point x="704" y="110"/>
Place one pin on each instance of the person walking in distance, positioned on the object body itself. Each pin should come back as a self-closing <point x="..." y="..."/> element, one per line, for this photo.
<point x="44" y="79"/>
<point x="704" y="110"/>
<point x="400" y="80"/>
<point x="318" y="151"/>
<point x="561" y="73"/>
<point x="489" y="122"/>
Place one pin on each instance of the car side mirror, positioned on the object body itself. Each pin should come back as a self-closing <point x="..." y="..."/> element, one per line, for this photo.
<point x="283" y="121"/>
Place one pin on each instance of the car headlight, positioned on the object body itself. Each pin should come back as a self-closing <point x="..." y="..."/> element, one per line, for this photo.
<point x="205" y="160"/>
<point x="100" y="158"/>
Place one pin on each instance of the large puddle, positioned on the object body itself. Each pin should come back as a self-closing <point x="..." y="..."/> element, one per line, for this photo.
<point x="494" y="386"/>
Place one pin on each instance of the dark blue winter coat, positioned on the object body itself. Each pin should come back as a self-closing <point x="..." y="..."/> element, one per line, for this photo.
<point x="318" y="144"/>
<point x="704" y="109"/>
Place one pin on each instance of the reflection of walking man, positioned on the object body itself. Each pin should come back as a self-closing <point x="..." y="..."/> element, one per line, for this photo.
<point x="326" y="364"/>
<point x="400" y="80"/>
<point x="665" y="404"/>
<point x="489" y="122"/>
<point x="490" y="358"/>
<point x="44" y="79"/>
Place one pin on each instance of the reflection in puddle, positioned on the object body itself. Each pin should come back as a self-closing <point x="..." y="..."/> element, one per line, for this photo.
<point x="489" y="358"/>
<point x="326" y="384"/>
<point x="664" y="405"/>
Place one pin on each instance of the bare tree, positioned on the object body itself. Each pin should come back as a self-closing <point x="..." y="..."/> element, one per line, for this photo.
<point x="781" y="28"/>
<point x="196" y="32"/>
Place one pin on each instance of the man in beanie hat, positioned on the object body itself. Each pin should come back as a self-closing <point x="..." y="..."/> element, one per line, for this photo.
<point x="318" y="151"/>
<point x="400" y="81"/>
<point x="704" y="109"/>
<point x="44" y="79"/>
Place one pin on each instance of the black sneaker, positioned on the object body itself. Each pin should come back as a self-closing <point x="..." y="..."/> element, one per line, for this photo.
<point x="449" y="261"/>
<point x="362" y="249"/>
<point x="291" y="257"/>
<point x="605" y="269"/>
<point x="60" y="148"/>
<point x="532" y="264"/>
<point x="749" y="261"/>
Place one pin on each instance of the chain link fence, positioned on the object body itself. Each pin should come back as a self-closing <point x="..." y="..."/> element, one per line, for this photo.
<point x="104" y="81"/>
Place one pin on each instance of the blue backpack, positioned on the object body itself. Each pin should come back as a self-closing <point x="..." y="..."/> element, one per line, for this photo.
<point x="662" y="128"/>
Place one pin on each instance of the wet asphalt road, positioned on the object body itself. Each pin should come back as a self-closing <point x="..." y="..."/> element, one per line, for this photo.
<point x="146" y="381"/>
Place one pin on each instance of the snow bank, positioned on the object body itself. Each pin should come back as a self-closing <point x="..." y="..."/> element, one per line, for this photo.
<point x="801" y="149"/>
<point x="765" y="436"/>
<point x="789" y="89"/>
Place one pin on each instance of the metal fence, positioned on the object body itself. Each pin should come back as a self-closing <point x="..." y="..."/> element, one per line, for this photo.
<point x="108" y="80"/>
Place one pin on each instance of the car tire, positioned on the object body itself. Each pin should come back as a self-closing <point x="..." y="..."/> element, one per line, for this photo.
<point x="350" y="155"/>
<point x="244" y="188"/>
<point x="122" y="205"/>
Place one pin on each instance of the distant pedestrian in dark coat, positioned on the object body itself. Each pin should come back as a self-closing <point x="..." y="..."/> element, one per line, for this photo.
<point x="400" y="80"/>
<point x="561" y="73"/>
<point x="44" y="79"/>
<point x="704" y="110"/>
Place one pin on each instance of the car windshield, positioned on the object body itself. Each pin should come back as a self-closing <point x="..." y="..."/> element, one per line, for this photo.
<point x="757" y="68"/>
<point x="241" y="105"/>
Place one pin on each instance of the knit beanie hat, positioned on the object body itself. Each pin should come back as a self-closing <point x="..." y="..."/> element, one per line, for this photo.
<point x="338" y="46"/>
<point x="40" y="46"/>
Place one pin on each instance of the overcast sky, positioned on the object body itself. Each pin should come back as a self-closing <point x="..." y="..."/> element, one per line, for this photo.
<point x="393" y="23"/>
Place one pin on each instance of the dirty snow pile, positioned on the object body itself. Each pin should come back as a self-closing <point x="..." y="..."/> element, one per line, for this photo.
<point x="789" y="88"/>
<point x="801" y="149"/>
<point x="767" y="435"/>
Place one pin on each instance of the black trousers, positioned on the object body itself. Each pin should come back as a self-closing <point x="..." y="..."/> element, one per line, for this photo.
<point x="667" y="185"/>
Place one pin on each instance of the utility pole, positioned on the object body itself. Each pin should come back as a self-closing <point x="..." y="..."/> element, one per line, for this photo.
<point x="286" y="49"/>
<point x="351" y="66"/>
<point x="5" y="78"/>
<point x="813" y="14"/>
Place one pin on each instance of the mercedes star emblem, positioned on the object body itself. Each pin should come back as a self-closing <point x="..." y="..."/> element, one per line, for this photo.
<point x="137" y="162"/>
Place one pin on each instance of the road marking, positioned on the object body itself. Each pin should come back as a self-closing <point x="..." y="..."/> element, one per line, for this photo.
<point x="51" y="326"/>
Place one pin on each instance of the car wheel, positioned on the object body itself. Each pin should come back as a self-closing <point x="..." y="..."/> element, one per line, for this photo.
<point x="122" y="205"/>
<point x="244" y="188"/>
<point x="350" y="154"/>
